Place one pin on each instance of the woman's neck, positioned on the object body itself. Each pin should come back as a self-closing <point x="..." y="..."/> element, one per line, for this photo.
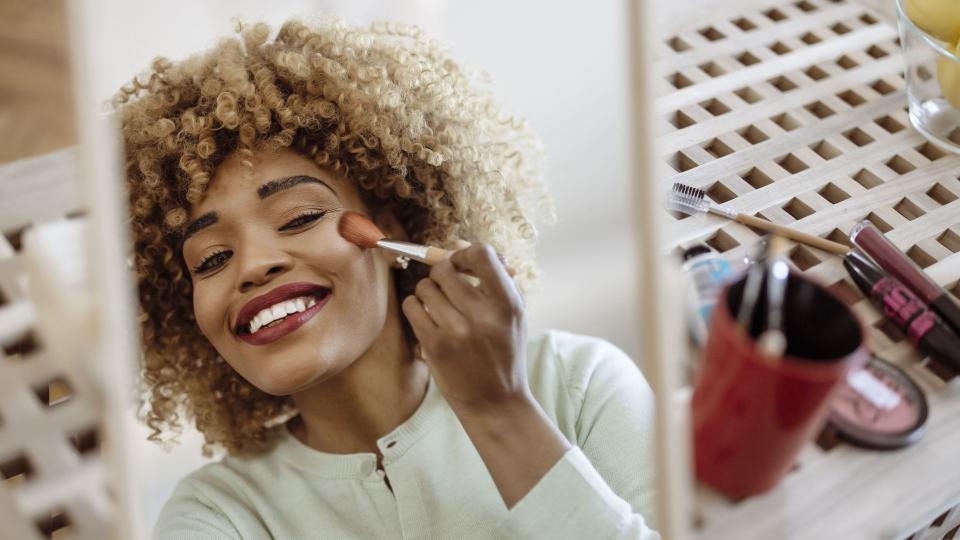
<point x="367" y="400"/>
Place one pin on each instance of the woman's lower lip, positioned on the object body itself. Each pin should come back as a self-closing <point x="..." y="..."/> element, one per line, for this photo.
<point x="290" y="323"/>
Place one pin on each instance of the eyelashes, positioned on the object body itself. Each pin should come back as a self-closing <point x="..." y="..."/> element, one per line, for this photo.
<point x="209" y="261"/>
<point x="303" y="219"/>
<point x="219" y="258"/>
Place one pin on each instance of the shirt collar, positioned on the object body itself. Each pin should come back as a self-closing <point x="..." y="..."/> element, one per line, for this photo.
<point x="358" y="465"/>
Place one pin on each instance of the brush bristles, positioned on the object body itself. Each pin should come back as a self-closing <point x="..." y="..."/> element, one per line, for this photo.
<point x="686" y="199"/>
<point x="359" y="229"/>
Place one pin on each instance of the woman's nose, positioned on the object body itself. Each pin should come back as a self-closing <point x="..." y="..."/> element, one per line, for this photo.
<point x="261" y="265"/>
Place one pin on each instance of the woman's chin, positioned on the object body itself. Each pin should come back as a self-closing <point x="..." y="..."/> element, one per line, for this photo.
<point x="290" y="379"/>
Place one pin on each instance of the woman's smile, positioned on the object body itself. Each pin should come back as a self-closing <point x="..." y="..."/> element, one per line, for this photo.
<point x="281" y="311"/>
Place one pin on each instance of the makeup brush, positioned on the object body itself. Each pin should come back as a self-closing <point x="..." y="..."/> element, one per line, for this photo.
<point x="751" y="287"/>
<point x="690" y="201"/>
<point x="773" y="341"/>
<point x="360" y="230"/>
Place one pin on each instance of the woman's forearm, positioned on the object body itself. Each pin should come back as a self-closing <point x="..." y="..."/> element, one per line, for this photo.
<point x="517" y="443"/>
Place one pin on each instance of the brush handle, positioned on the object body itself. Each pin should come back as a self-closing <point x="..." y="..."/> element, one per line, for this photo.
<point x="418" y="252"/>
<point x="435" y="255"/>
<point x="793" y="234"/>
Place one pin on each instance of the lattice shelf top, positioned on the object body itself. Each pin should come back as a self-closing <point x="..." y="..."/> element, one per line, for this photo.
<point x="796" y="112"/>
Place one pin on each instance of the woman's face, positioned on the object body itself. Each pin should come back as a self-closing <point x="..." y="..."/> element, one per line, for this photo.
<point x="279" y="293"/>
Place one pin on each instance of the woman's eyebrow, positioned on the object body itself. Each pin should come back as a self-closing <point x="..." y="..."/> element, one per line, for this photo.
<point x="263" y="191"/>
<point x="201" y="222"/>
<point x="281" y="184"/>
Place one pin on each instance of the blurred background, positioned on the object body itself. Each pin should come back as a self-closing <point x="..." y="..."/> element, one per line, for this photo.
<point x="560" y="65"/>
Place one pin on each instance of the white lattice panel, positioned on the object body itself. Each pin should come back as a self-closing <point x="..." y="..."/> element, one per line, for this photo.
<point x="796" y="112"/>
<point x="51" y="410"/>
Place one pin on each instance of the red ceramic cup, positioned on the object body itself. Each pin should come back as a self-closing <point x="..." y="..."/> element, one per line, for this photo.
<point x="751" y="415"/>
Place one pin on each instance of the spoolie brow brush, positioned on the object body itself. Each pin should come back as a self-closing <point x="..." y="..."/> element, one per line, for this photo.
<point x="690" y="201"/>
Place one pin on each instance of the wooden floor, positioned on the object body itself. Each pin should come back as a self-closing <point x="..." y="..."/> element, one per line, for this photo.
<point x="36" y="107"/>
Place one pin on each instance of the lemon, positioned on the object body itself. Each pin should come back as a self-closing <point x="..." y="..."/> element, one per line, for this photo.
<point x="948" y="75"/>
<point x="939" y="18"/>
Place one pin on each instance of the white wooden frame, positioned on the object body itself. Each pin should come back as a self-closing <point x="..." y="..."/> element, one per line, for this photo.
<point x="64" y="393"/>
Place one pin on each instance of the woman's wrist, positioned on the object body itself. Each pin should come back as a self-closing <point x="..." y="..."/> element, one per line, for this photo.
<point x="513" y="421"/>
<point x="496" y="415"/>
<point x="517" y="442"/>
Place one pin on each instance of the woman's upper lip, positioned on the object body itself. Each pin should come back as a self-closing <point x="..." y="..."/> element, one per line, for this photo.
<point x="278" y="294"/>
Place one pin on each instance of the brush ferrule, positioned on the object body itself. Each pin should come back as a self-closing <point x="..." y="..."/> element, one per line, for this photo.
<point x="416" y="252"/>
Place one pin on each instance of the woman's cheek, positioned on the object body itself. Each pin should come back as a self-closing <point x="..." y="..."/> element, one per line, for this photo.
<point x="210" y="315"/>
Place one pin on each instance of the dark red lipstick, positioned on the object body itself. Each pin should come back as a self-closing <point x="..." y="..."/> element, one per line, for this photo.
<point x="289" y="323"/>
<point x="911" y="314"/>
<point x="868" y="238"/>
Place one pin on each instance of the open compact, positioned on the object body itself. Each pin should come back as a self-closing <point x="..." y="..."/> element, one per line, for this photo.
<point x="879" y="406"/>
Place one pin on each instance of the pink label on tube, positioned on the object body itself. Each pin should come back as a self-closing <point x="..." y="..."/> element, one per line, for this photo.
<point x="920" y="326"/>
<point x="902" y="306"/>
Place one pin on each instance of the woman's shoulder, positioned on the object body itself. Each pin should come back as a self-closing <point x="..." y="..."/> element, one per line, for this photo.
<point x="210" y="480"/>
<point x="200" y="502"/>
<point x="215" y="497"/>
<point x="571" y="373"/>
<point x="577" y="360"/>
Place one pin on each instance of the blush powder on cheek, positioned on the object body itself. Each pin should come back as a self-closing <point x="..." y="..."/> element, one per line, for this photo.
<point x="879" y="406"/>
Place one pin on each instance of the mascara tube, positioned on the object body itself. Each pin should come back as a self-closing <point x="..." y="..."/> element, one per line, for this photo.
<point x="926" y="331"/>
<point x="869" y="239"/>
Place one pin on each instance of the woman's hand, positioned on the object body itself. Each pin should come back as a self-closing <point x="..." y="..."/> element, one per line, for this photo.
<point x="472" y="337"/>
<point x="474" y="340"/>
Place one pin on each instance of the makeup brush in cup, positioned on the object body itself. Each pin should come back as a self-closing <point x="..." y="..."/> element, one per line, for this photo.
<point x="360" y="230"/>
<point x="691" y="201"/>
<point x="773" y="341"/>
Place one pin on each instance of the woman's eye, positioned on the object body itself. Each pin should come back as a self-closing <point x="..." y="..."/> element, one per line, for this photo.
<point x="302" y="220"/>
<point x="212" y="262"/>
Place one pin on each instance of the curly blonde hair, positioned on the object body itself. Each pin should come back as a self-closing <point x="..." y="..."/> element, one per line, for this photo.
<point x="384" y="106"/>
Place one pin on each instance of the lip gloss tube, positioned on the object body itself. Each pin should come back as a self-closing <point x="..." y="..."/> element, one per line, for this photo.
<point x="868" y="238"/>
<point x="930" y="335"/>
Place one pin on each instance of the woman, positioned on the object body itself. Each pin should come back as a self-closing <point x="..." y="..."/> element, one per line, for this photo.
<point x="356" y="397"/>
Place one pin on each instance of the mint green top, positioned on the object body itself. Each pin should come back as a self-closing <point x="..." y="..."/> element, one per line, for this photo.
<point x="602" y="488"/>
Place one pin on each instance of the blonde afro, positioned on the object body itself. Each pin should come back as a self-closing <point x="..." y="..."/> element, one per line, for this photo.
<point x="384" y="106"/>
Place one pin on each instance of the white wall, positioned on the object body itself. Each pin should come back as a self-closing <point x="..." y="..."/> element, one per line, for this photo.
<point x="561" y="65"/>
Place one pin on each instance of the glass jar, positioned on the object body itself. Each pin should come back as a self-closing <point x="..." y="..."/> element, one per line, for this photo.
<point x="932" y="70"/>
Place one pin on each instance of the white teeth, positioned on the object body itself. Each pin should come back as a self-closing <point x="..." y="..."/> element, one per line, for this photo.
<point x="279" y="311"/>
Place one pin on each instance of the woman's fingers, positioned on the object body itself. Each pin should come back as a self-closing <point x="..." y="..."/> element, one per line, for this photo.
<point x="419" y="319"/>
<point x="483" y="262"/>
<point x="459" y="244"/>
<point x="456" y="286"/>
<point x="438" y="306"/>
